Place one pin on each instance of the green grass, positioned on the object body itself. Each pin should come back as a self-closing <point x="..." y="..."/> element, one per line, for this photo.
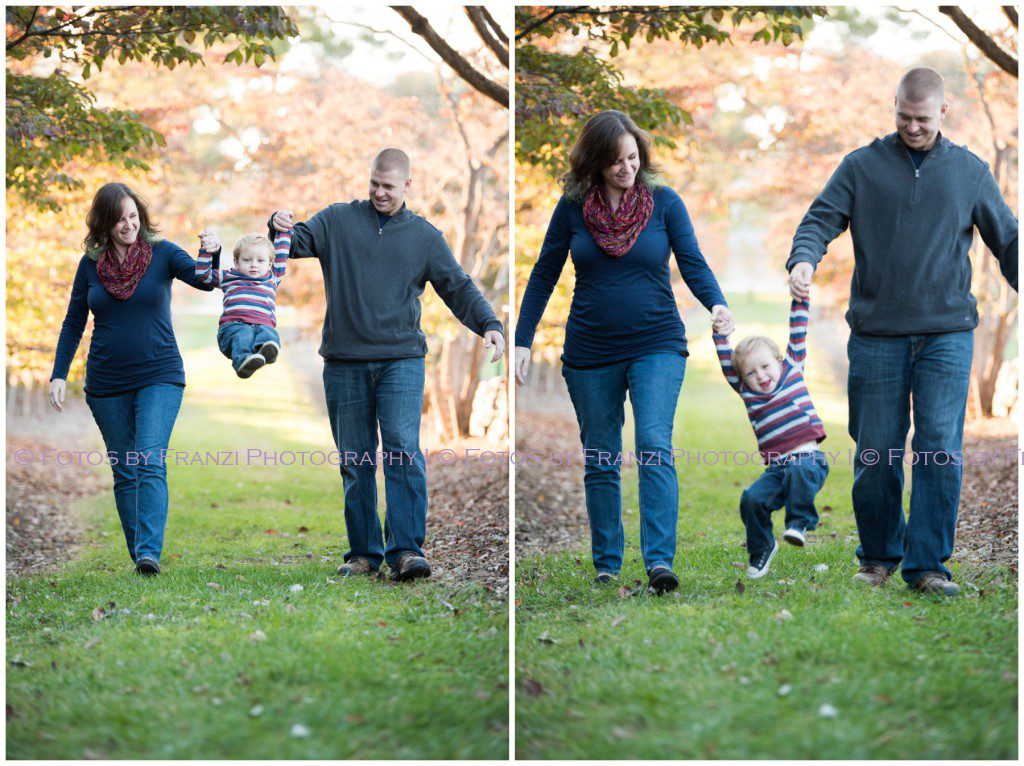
<point x="697" y="673"/>
<point x="371" y="669"/>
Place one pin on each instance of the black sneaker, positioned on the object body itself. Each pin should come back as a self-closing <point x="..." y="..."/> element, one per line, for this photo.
<point x="605" y="578"/>
<point x="410" y="567"/>
<point x="662" y="580"/>
<point x="759" y="563"/>
<point x="795" y="536"/>
<point x="147" y="566"/>
<point x="269" y="351"/>
<point x="252" y="363"/>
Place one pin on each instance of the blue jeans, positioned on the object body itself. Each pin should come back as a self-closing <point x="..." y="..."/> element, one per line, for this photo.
<point x="886" y="375"/>
<point x="793" y="482"/>
<point x="598" y="395"/>
<point x="139" y="422"/>
<point x="361" y="396"/>
<point x="239" y="340"/>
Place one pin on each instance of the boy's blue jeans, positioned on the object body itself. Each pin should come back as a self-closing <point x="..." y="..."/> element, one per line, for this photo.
<point x="598" y="395"/>
<point x="792" y="481"/>
<point x="360" y="396"/>
<point x="239" y="340"/>
<point x="887" y="373"/>
<point x="139" y="422"/>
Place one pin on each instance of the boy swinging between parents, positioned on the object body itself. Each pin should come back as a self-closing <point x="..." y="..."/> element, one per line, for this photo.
<point x="912" y="201"/>
<point x="377" y="256"/>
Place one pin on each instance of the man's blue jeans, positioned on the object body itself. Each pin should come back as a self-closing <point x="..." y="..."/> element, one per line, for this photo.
<point x="887" y="374"/>
<point x="239" y="340"/>
<point x="598" y="395"/>
<point x="792" y="481"/>
<point x="136" y="427"/>
<point x="361" y="396"/>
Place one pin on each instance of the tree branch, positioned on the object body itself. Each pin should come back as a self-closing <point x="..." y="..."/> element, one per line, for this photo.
<point x="474" y="12"/>
<point x="985" y="44"/>
<point x="495" y="27"/>
<point x="1011" y="14"/>
<point x="419" y="25"/>
<point x="376" y="31"/>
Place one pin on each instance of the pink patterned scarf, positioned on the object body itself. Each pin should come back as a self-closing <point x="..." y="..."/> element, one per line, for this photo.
<point x="120" y="278"/>
<point x="616" y="231"/>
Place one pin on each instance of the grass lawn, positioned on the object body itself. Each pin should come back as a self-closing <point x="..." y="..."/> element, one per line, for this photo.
<point x="219" y="657"/>
<point x="801" y="664"/>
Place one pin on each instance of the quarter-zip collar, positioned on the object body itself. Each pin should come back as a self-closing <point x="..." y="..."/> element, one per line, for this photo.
<point x="399" y="215"/>
<point x="941" y="145"/>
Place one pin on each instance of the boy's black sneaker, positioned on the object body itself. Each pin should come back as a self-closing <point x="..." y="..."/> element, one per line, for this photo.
<point x="662" y="580"/>
<point x="147" y="566"/>
<point x="269" y="351"/>
<point x="605" y="578"/>
<point x="795" y="536"/>
<point x="759" y="563"/>
<point x="252" y="363"/>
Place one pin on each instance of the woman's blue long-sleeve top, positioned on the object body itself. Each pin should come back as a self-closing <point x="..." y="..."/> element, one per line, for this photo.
<point x="622" y="308"/>
<point x="133" y="341"/>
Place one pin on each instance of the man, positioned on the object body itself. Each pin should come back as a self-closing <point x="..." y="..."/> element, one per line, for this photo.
<point x="377" y="256"/>
<point x="912" y="201"/>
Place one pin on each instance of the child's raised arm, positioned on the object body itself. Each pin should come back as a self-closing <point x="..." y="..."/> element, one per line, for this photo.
<point x="282" y="244"/>
<point x="209" y="243"/>
<point x="724" y="350"/>
<point x="796" y="351"/>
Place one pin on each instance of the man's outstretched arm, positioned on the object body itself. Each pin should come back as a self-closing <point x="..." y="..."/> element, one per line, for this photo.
<point x="997" y="225"/>
<point x="457" y="290"/>
<point x="826" y="218"/>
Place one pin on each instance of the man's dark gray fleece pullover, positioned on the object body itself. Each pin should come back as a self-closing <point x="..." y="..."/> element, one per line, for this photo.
<point x="374" y="276"/>
<point x="911" y="229"/>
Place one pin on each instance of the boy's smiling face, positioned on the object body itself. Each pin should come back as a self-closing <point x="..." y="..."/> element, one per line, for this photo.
<point x="761" y="370"/>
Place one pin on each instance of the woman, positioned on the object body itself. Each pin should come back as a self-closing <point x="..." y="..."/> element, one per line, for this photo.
<point x="134" y="379"/>
<point x="624" y="332"/>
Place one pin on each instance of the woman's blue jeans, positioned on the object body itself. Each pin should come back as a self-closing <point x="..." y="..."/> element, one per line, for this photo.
<point x="136" y="429"/>
<point x="887" y="374"/>
<point x="362" y="396"/>
<point x="598" y="395"/>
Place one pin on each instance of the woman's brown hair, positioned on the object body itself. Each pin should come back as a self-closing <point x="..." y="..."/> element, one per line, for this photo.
<point x="106" y="211"/>
<point x="598" y="147"/>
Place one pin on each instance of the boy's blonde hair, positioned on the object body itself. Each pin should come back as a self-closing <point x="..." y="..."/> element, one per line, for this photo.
<point x="747" y="346"/>
<point x="252" y="240"/>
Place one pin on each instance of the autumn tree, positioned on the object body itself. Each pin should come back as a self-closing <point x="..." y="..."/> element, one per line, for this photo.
<point x="54" y="119"/>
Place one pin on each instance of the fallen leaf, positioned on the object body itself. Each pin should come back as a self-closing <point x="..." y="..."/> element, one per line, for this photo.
<point x="303" y="529"/>
<point x="531" y="688"/>
<point x="298" y="730"/>
<point x="827" y="711"/>
<point x="740" y="587"/>
<point x="257" y="635"/>
<point x="544" y="638"/>
<point x="784" y="690"/>
<point x="618" y="621"/>
<point x="256" y="711"/>
<point x="214" y="585"/>
<point x="783" y="615"/>
<point x="296" y="588"/>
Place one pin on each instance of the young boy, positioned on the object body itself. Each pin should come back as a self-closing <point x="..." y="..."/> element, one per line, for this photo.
<point x="246" y="334"/>
<point x="788" y="431"/>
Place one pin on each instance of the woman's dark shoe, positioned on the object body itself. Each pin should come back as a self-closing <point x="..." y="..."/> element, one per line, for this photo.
<point x="605" y="578"/>
<point x="147" y="566"/>
<point x="410" y="567"/>
<point x="662" y="580"/>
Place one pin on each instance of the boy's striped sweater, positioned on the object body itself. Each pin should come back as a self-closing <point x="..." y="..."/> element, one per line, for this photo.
<point x="248" y="299"/>
<point x="784" y="418"/>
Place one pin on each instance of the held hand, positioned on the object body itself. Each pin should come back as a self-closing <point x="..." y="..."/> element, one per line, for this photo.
<point x="209" y="240"/>
<point x="284" y="220"/>
<point x="721" y="320"/>
<point x="496" y="339"/>
<point x="57" y="389"/>
<point x="800" y="280"/>
<point x="522" y="364"/>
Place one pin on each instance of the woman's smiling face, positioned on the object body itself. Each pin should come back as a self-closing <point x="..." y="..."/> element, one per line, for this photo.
<point x="126" y="230"/>
<point x="621" y="174"/>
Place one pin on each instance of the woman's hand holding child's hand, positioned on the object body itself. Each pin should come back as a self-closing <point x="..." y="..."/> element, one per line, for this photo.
<point x="209" y="240"/>
<point x="721" y="320"/>
<point x="284" y="220"/>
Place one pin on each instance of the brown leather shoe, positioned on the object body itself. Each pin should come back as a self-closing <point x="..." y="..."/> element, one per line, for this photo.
<point x="935" y="582"/>
<point x="356" y="565"/>
<point x="410" y="567"/>
<point x="875" y="575"/>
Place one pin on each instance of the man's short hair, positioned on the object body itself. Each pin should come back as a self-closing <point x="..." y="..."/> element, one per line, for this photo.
<point x="392" y="159"/>
<point x="920" y="84"/>
<point x="254" y="240"/>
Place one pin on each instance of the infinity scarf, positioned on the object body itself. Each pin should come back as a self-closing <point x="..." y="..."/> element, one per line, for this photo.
<point x="120" y="278"/>
<point x="616" y="231"/>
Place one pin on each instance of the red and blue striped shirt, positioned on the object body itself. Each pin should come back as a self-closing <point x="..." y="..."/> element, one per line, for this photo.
<point x="248" y="299"/>
<point x="785" y="417"/>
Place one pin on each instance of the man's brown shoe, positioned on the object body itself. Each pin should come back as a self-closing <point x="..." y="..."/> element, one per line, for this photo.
<point x="876" y="575"/>
<point x="934" y="582"/>
<point x="356" y="565"/>
<point x="410" y="567"/>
